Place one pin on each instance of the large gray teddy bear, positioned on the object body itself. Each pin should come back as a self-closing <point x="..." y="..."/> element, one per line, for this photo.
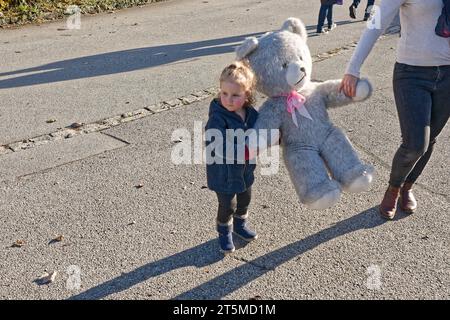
<point x="319" y="157"/>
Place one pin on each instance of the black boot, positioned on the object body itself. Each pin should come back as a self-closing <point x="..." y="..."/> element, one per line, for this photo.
<point x="352" y="10"/>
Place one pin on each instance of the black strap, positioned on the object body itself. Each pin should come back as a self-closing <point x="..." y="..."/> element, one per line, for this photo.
<point x="443" y="24"/>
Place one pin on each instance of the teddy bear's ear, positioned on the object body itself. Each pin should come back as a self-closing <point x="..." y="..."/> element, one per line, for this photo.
<point x="295" y="25"/>
<point x="247" y="47"/>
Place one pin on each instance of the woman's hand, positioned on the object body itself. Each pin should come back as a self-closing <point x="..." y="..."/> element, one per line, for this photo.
<point x="348" y="85"/>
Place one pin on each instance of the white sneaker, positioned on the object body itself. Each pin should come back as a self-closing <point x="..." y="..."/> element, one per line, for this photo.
<point x="333" y="26"/>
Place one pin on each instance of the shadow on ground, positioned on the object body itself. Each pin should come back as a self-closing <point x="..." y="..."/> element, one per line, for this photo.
<point x="207" y="253"/>
<point x="125" y="61"/>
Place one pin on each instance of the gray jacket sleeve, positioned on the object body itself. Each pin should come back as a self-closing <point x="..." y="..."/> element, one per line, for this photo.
<point x="386" y="12"/>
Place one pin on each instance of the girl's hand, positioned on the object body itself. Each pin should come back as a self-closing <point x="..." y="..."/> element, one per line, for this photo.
<point x="348" y="85"/>
<point x="250" y="154"/>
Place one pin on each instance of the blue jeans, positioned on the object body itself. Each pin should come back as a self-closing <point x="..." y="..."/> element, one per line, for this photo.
<point x="369" y="4"/>
<point x="422" y="97"/>
<point x="326" y="11"/>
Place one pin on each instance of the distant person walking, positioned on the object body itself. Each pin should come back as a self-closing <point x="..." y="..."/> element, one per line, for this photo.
<point x="326" y="12"/>
<point x="355" y="5"/>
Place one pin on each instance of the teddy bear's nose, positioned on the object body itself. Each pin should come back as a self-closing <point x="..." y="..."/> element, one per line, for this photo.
<point x="303" y="69"/>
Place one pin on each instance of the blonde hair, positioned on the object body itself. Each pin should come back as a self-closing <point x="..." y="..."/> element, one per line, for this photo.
<point x="241" y="73"/>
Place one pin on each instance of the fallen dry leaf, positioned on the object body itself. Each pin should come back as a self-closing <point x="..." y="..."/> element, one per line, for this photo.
<point x="76" y="125"/>
<point x="18" y="244"/>
<point x="57" y="239"/>
<point x="47" y="278"/>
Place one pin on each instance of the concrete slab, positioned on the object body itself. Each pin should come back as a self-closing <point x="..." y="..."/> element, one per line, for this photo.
<point x="60" y="152"/>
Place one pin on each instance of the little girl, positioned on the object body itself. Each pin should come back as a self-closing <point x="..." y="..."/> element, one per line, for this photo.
<point x="232" y="109"/>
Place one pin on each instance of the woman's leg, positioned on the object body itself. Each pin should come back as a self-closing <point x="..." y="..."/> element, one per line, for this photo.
<point x="413" y="98"/>
<point x="322" y="15"/>
<point x="352" y="8"/>
<point x="369" y="8"/>
<point x="330" y="17"/>
<point x="413" y="88"/>
<point x="440" y="114"/>
<point x="370" y="3"/>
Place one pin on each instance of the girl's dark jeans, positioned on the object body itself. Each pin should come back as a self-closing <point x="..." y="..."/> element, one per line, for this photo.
<point x="229" y="206"/>
<point x="422" y="97"/>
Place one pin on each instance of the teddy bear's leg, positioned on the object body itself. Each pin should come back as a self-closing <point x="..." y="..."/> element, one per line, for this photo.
<point x="344" y="163"/>
<point x="310" y="177"/>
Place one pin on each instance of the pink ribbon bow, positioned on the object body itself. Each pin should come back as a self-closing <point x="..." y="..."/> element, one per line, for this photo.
<point x="295" y="101"/>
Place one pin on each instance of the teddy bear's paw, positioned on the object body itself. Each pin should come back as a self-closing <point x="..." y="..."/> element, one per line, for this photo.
<point x="360" y="184"/>
<point x="326" y="201"/>
<point x="363" y="90"/>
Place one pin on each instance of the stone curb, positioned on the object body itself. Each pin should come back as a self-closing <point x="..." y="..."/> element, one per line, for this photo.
<point x="82" y="128"/>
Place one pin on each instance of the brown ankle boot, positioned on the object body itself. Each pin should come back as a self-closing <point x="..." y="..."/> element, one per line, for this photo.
<point x="408" y="202"/>
<point x="388" y="206"/>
